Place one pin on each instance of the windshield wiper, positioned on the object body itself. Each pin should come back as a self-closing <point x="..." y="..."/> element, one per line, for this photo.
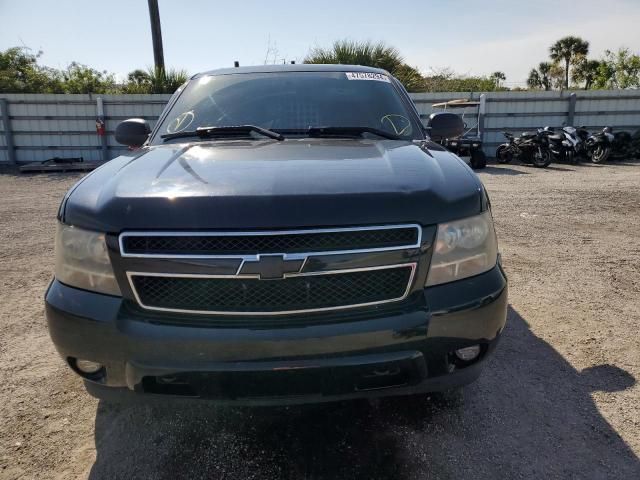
<point x="233" y="130"/>
<point x="350" y="131"/>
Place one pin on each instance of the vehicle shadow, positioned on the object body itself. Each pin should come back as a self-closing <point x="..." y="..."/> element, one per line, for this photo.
<point x="501" y="170"/>
<point x="530" y="415"/>
<point x="627" y="161"/>
<point x="558" y="169"/>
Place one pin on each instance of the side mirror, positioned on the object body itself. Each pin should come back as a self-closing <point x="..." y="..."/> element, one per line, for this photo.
<point x="444" y="125"/>
<point x="133" y="132"/>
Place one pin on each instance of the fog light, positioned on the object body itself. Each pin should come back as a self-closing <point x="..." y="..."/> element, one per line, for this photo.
<point x="88" y="367"/>
<point x="468" y="353"/>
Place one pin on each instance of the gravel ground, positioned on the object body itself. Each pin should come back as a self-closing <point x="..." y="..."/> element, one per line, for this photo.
<point x="559" y="399"/>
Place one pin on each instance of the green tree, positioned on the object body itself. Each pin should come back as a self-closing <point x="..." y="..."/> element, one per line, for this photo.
<point x="20" y="73"/>
<point x="586" y="71"/>
<point x="605" y="76"/>
<point x="447" y="80"/>
<point x="566" y="50"/>
<point x="497" y="78"/>
<point x="379" y="55"/>
<point x="78" y="78"/>
<point x="623" y="67"/>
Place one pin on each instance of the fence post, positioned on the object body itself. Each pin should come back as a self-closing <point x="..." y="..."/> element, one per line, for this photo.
<point x="571" y="115"/>
<point x="482" y="110"/>
<point x="8" y="134"/>
<point x="101" y="129"/>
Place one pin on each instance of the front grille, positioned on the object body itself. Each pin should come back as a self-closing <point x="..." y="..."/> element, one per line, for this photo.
<point x="274" y="242"/>
<point x="251" y="296"/>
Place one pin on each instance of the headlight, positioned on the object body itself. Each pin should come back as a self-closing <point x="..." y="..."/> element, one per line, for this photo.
<point x="82" y="260"/>
<point x="463" y="248"/>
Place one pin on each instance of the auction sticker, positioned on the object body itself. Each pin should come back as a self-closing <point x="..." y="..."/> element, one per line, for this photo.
<point x="378" y="77"/>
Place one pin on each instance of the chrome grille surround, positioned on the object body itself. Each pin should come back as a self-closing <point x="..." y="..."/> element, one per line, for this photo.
<point x="131" y="276"/>
<point x="272" y="233"/>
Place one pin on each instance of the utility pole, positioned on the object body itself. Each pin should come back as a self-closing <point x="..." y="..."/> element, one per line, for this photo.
<point x="156" y="35"/>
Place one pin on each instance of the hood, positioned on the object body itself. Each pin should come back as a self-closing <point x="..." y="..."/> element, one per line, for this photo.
<point x="267" y="184"/>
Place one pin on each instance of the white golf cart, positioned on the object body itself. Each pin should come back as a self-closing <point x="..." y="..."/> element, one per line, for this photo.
<point x="467" y="146"/>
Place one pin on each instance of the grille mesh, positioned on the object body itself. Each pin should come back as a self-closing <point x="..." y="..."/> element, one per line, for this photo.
<point x="280" y="243"/>
<point x="267" y="296"/>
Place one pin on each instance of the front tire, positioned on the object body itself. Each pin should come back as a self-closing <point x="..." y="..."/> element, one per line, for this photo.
<point x="542" y="158"/>
<point x="478" y="159"/>
<point x="600" y="154"/>
<point x="503" y="155"/>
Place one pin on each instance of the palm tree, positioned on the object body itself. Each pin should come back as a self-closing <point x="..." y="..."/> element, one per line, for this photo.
<point x="498" y="77"/>
<point x="379" y="55"/>
<point x="534" y="80"/>
<point x="154" y="80"/>
<point x="541" y="77"/>
<point x="166" y="81"/>
<point x="565" y="50"/>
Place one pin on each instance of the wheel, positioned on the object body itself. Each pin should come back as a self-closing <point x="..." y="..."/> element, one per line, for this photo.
<point x="503" y="155"/>
<point x="542" y="158"/>
<point x="600" y="154"/>
<point x="571" y="157"/>
<point x="478" y="159"/>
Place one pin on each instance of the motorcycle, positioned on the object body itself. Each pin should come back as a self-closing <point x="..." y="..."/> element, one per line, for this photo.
<point x="563" y="144"/>
<point x="530" y="148"/>
<point x="600" y="145"/>
<point x="582" y="134"/>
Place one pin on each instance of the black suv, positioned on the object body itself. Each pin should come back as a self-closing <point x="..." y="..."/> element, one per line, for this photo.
<point x="284" y="234"/>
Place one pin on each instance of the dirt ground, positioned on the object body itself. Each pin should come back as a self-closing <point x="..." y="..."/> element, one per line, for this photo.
<point x="560" y="399"/>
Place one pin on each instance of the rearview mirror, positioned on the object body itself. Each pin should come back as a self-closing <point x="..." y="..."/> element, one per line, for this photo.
<point x="133" y="132"/>
<point x="444" y="125"/>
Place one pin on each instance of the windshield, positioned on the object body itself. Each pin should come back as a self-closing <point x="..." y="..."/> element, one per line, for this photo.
<point x="291" y="103"/>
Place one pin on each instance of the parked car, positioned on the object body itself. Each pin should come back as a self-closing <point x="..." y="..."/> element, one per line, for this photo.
<point x="285" y="234"/>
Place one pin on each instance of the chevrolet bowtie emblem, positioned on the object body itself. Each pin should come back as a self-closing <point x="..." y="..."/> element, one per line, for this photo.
<point x="271" y="267"/>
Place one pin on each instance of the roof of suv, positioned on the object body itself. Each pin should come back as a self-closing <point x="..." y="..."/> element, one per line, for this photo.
<point x="303" y="67"/>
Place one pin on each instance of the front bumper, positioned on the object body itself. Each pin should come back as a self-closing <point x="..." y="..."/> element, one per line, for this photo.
<point x="404" y="350"/>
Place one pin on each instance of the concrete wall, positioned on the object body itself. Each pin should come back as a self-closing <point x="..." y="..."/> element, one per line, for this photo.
<point x="46" y="126"/>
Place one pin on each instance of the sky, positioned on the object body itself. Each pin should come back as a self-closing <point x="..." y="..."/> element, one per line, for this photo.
<point x="474" y="37"/>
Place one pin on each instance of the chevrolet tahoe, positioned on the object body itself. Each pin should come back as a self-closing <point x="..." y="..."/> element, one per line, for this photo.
<point x="284" y="234"/>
